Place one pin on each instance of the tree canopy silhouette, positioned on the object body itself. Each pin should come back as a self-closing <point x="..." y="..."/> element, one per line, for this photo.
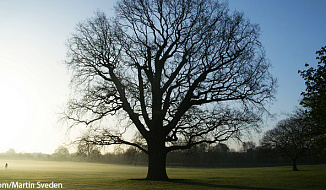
<point x="314" y="97"/>
<point x="179" y="72"/>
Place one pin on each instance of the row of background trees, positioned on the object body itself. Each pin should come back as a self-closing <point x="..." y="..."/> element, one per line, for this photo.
<point x="204" y="155"/>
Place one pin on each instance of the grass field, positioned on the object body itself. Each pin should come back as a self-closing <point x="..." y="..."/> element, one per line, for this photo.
<point x="80" y="175"/>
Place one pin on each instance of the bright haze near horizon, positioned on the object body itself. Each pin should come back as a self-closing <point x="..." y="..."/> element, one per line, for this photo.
<point x="34" y="82"/>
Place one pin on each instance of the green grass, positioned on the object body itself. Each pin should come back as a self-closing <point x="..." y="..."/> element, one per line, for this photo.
<point x="80" y="175"/>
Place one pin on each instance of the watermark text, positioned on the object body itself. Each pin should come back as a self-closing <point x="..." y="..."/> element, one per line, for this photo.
<point x="30" y="185"/>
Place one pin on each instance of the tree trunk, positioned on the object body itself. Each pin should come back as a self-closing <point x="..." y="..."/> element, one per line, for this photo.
<point x="294" y="165"/>
<point x="157" y="163"/>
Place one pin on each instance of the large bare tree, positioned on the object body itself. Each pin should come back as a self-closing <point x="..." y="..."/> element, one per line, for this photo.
<point x="180" y="72"/>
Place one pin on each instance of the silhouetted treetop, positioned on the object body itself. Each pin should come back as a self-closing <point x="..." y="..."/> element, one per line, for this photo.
<point x="314" y="97"/>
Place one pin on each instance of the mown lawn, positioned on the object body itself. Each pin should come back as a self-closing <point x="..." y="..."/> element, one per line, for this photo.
<point x="80" y="175"/>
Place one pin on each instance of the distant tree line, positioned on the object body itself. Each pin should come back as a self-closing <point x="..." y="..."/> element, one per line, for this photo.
<point x="219" y="155"/>
<point x="204" y="155"/>
<point x="290" y="141"/>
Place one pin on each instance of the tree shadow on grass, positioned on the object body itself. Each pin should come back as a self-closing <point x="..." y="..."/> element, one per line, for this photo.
<point x="200" y="184"/>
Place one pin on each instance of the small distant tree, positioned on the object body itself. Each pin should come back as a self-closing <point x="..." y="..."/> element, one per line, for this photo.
<point x="221" y="151"/>
<point x="181" y="73"/>
<point x="223" y="148"/>
<point x="11" y="151"/>
<point x="85" y="146"/>
<point x="247" y="146"/>
<point x="61" y="153"/>
<point x="248" y="150"/>
<point x="131" y="154"/>
<point x="95" y="154"/>
<point x="289" y="138"/>
<point x="314" y="97"/>
<point x="82" y="150"/>
<point x="62" y="150"/>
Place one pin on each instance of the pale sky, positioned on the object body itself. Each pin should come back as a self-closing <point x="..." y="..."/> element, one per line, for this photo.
<point x="34" y="82"/>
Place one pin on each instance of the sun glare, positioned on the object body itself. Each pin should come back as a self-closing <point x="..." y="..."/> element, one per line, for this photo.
<point x="15" y="111"/>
